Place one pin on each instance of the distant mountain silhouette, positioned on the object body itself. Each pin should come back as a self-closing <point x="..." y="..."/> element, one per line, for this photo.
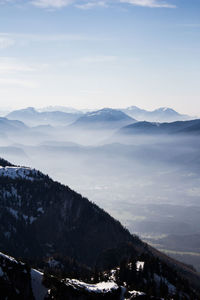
<point x="69" y="110"/>
<point x="32" y="117"/>
<point x="162" y="114"/>
<point x="105" y="118"/>
<point x="11" y="126"/>
<point x="179" y="127"/>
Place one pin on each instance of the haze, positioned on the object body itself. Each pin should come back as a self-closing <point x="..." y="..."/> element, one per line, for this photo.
<point x="148" y="180"/>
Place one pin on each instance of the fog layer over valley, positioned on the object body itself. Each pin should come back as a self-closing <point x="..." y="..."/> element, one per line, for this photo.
<point x="148" y="179"/>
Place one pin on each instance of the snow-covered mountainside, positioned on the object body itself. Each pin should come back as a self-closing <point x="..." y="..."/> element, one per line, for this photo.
<point x="20" y="172"/>
<point x="18" y="281"/>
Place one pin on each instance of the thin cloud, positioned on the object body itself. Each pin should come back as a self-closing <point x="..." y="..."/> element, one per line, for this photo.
<point x="98" y="59"/>
<point x="51" y="3"/>
<point x="88" y="60"/>
<point x="10" y="39"/>
<point x="6" y="42"/>
<point x="12" y="65"/>
<point x="17" y="82"/>
<point x="85" y="5"/>
<point x="149" y="3"/>
<point x="93" y="4"/>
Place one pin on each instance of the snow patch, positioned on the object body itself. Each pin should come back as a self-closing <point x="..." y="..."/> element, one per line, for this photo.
<point x="13" y="212"/>
<point x="136" y="293"/>
<point x="32" y="219"/>
<point x="41" y="210"/>
<point x="101" y="287"/>
<point x="19" y="172"/>
<point x="39" y="290"/>
<point x="139" y="265"/>
<point x="8" y="257"/>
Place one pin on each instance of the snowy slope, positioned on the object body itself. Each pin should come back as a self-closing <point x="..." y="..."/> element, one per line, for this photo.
<point x="19" y="172"/>
<point x="27" y="283"/>
<point x="39" y="290"/>
<point x="101" y="287"/>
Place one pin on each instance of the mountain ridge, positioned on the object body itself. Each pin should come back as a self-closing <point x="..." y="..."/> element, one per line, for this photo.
<point x="105" y="118"/>
<point x="41" y="218"/>
<point x="33" y="117"/>
<point x="55" y="205"/>
<point x="161" y="114"/>
<point x="178" y="127"/>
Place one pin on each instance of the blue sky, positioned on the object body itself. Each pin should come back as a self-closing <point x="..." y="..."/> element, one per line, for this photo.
<point x="100" y="53"/>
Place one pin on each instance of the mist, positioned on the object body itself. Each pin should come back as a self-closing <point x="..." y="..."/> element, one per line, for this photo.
<point x="149" y="182"/>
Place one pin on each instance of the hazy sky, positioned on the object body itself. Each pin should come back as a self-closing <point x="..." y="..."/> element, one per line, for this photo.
<point x="100" y="53"/>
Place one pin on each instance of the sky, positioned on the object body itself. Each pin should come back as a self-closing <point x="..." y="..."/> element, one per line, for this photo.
<point x="100" y="53"/>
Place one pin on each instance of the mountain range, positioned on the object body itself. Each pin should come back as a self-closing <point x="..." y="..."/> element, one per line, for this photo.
<point x="58" y="115"/>
<point x="31" y="117"/>
<point x="102" y="119"/>
<point x="98" y="120"/>
<point x="162" y="114"/>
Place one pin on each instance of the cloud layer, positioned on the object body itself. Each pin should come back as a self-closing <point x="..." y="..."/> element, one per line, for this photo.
<point x="89" y="4"/>
<point x="149" y="3"/>
<point x="52" y="3"/>
<point x="6" y="42"/>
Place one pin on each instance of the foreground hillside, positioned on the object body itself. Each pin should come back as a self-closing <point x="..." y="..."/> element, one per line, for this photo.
<point x="55" y="229"/>
<point x="21" y="282"/>
<point x="40" y="216"/>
